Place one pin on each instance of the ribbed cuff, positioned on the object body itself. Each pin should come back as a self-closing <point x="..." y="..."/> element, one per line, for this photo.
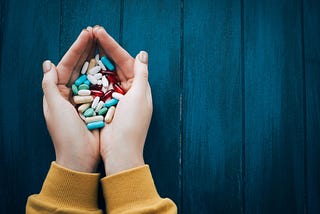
<point x="129" y="189"/>
<point x="68" y="188"/>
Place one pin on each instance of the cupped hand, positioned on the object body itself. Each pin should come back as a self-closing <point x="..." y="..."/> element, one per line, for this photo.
<point x="76" y="147"/>
<point x="122" y="141"/>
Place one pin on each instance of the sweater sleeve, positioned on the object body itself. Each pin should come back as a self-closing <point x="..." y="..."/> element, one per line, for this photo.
<point x="66" y="191"/>
<point x="133" y="191"/>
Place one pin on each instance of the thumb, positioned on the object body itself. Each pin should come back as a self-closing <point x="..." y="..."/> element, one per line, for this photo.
<point x="49" y="82"/>
<point x="140" y="69"/>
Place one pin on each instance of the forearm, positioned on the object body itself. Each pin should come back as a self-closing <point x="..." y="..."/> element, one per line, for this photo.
<point x="133" y="191"/>
<point x="66" y="191"/>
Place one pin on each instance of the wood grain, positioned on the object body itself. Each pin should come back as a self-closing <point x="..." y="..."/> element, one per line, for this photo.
<point x="212" y="107"/>
<point x="274" y="117"/>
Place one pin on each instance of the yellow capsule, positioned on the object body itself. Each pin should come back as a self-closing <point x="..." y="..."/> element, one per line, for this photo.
<point x="93" y="119"/>
<point x="109" y="116"/>
<point x="82" y="99"/>
<point x="84" y="107"/>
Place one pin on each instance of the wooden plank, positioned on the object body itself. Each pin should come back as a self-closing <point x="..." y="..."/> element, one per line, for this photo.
<point x="212" y="107"/>
<point x="312" y="68"/>
<point x="273" y="107"/>
<point x="154" y="26"/>
<point x="30" y="34"/>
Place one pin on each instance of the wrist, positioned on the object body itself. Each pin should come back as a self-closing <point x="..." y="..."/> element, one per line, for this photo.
<point x="77" y="165"/>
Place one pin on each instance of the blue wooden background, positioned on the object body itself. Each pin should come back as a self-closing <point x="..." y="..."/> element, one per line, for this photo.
<point x="236" y="89"/>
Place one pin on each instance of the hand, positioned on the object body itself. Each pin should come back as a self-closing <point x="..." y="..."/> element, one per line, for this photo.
<point x="122" y="141"/>
<point x="76" y="147"/>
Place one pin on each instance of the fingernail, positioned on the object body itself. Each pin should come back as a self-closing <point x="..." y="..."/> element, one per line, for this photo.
<point x="143" y="57"/>
<point x="46" y="66"/>
<point x="96" y="26"/>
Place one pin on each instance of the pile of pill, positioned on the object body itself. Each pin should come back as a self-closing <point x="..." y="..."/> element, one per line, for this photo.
<point x="96" y="92"/>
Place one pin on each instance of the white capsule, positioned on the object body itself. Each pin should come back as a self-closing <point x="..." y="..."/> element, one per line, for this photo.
<point x="98" y="76"/>
<point x="104" y="90"/>
<point x="117" y="95"/>
<point x="84" y="67"/>
<point x="97" y="58"/>
<point x="102" y="65"/>
<point x="95" y="102"/>
<point x="110" y="87"/>
<point x="92" y="79"/>
<point x="99" y="106"/>
<point x="93" y="119"/>
<point x="105" y="82"/>
<point x="110" y="113"/>
<point x="94" y="70"/>
<point x="99" y="82"/>
<point x="84" y="92"/>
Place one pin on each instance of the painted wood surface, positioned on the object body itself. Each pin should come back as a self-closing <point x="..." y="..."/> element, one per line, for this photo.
<point x="236" y="90"/>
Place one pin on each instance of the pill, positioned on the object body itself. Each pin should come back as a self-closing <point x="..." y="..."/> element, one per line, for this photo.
<point x="98" y="76"/>
<point x="109" y="115"/>
<point x="92" y="79"/>
<point x="95" y="87"/>
<point x="111" y="78"/>
<point x="105" y="81"/>
<point x="82" y="99"/>
<point x="84" y="92"/>
<point x="93" y="119"/>
<point x="107" y="95"/>
<point x="99" y="106"/>
<point x="99" y="82"/>
<point x="104" y="90"/>
<point x="83" y="107"/>
<point x="74" y="89"/>
<point x="106" y="62"/>
<point x="87" y="82"/>
<point x="83" y="87"/>
<point x="89" y="112"/>
<point x="95" y="102"/>
<point x="95" y="125"/>
<point x="103" y="111"/>
<point x="101" y="65"/>
<point x="85" y="68"/>
<point x="92" y="64"/>
<point x="94" y="70"/>
<point x="117" y="95"/>
<point x="97" y="93"/>
<point x="118" y="88"/>
<point x="110" y="87"/>
<point x="80" y="80"/>
<point x="111" y="102"/>
<point x="97" y="58"/>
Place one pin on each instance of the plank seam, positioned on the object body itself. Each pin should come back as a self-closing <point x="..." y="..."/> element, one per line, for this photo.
<point x="305" y="151"/>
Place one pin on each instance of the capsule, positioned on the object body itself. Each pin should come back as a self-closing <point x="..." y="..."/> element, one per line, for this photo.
<point x="93" y="119"/>
<point x="83" y="87"/>
<point x="89" y="112"/>
<point x="107" y="95"/>
<point x="80" y="80"/>
<point x="101" y="65"/>
<point x="106" y="62"/>
<point x="117" y="88"/>
<point x="96" y="87"/>
<point x="109" y="116"/>
<point x="82" y="99"/>
<point x="92" y="64"/>
<point x="103" y="111"/>
<point x="95" y="102"/>
<point x="111" y="102"/>
<point x="85" y="67"/>
<point x="117" y="95"/>
<point x="95" y="125"/>
<point x="83" y="107"/>
<point x="99" y="106"/>
<point x="74" y="89"/>
<point x="84" y="92"/>
<point x="97" y="93"/>
<point x="112" y="78"/>
<point x="92" y="79"/>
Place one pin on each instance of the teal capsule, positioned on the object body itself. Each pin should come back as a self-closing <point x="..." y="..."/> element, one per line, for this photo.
<point x="103" y="111"/>
<point x="87" y="82"/>
<point x="83" y="87"/>
<point x="107" y="63"/>
<point x="95" y="125"/>
<point x="89" y="112"/>
<point x="80" y="80"/>
<point x="74" y="89"/>
<point x="111" y="102"/>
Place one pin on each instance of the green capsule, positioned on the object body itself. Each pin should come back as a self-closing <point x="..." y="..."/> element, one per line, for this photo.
<point x="74" y="89"/>
<point x="83" y="87"/>
<point x="103" y="111"/>
<point x="89" y="112"/>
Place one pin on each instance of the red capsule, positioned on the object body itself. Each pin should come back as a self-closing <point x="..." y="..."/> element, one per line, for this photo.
<point x="112" y="78"/>
<point x="107" y="95"/>
<point x="117" y="88"/>
<point x="95" y="87"/>
<point x="97" y="93"/>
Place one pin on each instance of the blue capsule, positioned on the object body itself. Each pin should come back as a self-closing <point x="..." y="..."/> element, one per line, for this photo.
<point x="80" y="80"/>
<point x="95" y="125"/>
<point x="87" y="82"/>
<point x="107" y="63"/>
<point x="111" y="102"/>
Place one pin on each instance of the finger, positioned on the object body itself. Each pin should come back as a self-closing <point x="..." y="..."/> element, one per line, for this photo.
<point x="140" y="81"/>
<point x="114" y="51"/>
<point x="70" y="60"/>
<point x="49" y="83"/>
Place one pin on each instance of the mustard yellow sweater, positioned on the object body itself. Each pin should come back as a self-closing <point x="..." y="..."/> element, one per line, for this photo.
<point x="67" y="191"/>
